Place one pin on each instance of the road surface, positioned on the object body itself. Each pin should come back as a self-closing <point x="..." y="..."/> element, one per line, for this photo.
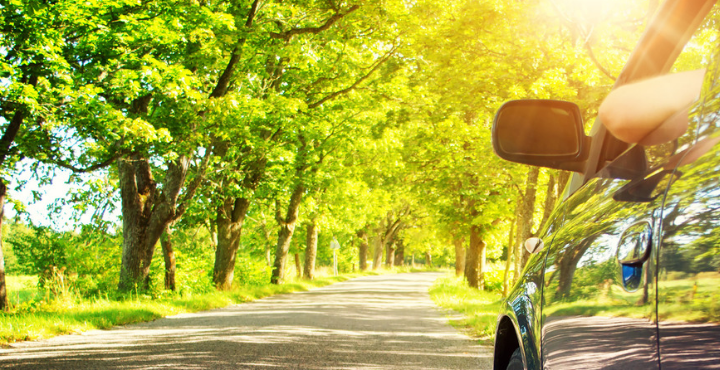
<point x="374" y="322"/>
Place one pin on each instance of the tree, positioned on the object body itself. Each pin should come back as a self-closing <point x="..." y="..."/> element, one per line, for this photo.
<point x="301" y="59"/>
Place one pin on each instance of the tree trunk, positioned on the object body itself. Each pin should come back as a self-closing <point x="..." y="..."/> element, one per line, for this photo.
<point x="428" y="259"/>
<point x="378" y="252"/>
<point x="3" y="285"/>
<point x="298" y="266"/>
<point x="510" y="249"/>
<point x="164" y="210"/>
<point x="459" y="256"/>
<point x="287" y="228"/>
<point x="363" y="249"/>
<point x="474" y="258"/>
<point x="550" y="199"/>
<point x="7" y="140"/>
<point x="482" y="265"/>
<point x="311" y="250"/>
<point x="213" y="235"/>
<point x="225" y="254"/>
<point x="268" y="242"/>
<point x="229" y="221"/>
<point x="169" y="256"/>
<point x="281" y="250"/>
<point x="390" y="255"/>
<point x="146" y="214"/>
<point x="525" y="219"/>
<point x="399" y="259"/>
<point x="387" y="231"/>
<point x="137" y="192"/>
<point x="469" y="260"/>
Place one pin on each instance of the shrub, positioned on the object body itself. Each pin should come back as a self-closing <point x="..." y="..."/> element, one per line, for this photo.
<point x="251" y="271"/>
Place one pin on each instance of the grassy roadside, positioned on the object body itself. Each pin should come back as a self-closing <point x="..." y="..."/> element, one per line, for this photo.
<point x="71" y="314"/>
<point x="478" y="308"/>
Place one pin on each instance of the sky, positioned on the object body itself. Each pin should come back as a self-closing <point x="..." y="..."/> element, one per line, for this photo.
<point x="39" y="211"/>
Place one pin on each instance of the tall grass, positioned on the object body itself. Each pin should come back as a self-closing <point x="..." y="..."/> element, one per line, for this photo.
<point x="21" y="289"/>
<point x="479" y="309"/>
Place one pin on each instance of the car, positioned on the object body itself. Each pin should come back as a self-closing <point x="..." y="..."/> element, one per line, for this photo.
<point x="626" y="274"/>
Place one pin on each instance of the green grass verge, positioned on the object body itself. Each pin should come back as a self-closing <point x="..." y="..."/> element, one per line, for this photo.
<point x="478" y="308"/>
<point x="30" y="320"/>
<point x="22" y="288"/>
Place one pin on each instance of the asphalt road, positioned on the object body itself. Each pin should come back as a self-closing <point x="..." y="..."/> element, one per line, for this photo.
<point x="375" y="322"/>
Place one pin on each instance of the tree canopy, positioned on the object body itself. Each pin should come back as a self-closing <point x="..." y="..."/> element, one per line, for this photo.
<point x="229" y="124"/>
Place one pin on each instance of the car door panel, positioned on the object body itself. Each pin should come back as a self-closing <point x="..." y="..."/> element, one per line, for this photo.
<point x="590" y="317"/>
<point x="689" y="257"/>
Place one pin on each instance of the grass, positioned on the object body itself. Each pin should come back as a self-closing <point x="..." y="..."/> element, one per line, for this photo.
<point x="32" y="316"/>
<point x="478" y="308"/>
<point x="22" y="289"/>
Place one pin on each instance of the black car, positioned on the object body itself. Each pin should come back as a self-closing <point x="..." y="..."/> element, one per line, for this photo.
<point x="627" y="272"/>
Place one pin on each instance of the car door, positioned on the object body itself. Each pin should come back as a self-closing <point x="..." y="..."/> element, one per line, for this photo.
<point x="600" y="294"/>
<point x="689" y="255"/>
<point x="599" y="305"/>
<point x="599" y="291"/>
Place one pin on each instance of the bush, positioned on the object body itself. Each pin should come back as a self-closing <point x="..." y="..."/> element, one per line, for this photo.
<point x="39" y="251"/>
<point x="86" y="263"/>
<point x="251" y="271"/>
<point x="494" y="277"/>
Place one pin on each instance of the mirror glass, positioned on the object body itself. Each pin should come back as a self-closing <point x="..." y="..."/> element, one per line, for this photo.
<point x="539" y="128"/>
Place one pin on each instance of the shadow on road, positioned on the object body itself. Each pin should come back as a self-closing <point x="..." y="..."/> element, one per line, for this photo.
<point x="382" y="322"/>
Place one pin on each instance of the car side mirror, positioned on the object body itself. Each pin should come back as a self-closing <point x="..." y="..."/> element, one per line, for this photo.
<point x="546" y="133"/>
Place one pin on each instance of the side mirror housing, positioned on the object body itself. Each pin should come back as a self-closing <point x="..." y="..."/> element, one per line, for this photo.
<point x="545" y="133"/>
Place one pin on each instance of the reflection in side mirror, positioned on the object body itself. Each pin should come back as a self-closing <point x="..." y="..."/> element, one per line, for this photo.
<point x="545" y="133"/>
<point x="534" y="245"/>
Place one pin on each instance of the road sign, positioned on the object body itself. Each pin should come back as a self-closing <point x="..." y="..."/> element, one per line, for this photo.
<point x="334" y="245"/>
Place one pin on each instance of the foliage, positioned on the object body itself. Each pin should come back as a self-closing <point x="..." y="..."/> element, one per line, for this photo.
<point x="356" y="118"/>
<point x="251" y="271"/>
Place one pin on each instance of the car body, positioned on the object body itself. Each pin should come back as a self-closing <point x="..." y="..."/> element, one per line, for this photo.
<point x="629" y="274"/>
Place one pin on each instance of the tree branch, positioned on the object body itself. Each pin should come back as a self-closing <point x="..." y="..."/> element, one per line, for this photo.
<point x="287" y="35"/>
<point x="278" y="213"/>
<point x="224" y="81"/>
<point x="9" y="136"/>
<point x="91" y="168"/>
<point x="597" y="63"/>
<point x="356" y="83"/>
<point x="192" y="188"/>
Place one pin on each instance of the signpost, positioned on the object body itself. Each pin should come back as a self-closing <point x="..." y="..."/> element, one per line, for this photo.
<point x="334" y="245"/>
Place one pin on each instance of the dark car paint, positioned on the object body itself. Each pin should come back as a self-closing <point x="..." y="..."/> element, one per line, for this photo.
<point x="550" y="338"/>
<point x="520" y="312"/>
<point x="636" y="177"/>
<point x="689" y="280"/>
